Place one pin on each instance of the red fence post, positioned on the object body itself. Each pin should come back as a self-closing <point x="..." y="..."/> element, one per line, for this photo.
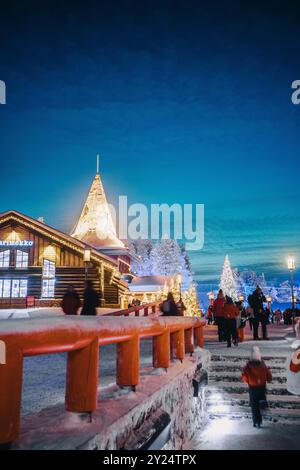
<point x="161" y="350"/>
<point x="146" y="311"/>
<point x="10" y="394"/>
<point x="177" y="344"/>
<point x="153" y="308"/>
<point x="128" y="354"/>
<point x="199" y="337"/>
<point x="82" y="378"/>
<point x="188" y="340"/>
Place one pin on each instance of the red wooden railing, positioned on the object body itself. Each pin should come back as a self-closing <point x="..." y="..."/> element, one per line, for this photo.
<point x="137" y="311"/>
<point x="81" y="337"/>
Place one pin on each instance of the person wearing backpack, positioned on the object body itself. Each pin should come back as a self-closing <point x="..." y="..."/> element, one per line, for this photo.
<point x="230" y="314"/>
<point x="256" y="302"/>
<point x="169" y="307"/>
<point x="256" y="375"/>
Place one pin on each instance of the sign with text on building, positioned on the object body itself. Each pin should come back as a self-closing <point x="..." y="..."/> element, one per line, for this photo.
<point x="16" y="243"/>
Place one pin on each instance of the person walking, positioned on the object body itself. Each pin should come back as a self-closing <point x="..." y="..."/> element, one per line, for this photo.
<point x="169" y="307"/>
<point x="250" y="317"/>
<point x="256" y="302"/>
<point x="230" y="314"/>
<point x="278" y="316"/>
<point x="71" y="301"/>
<point x="90" y="300"/>
<point x="293" y="369"/>
<point x="218" y="314"/>
<point x="256" y="375"/>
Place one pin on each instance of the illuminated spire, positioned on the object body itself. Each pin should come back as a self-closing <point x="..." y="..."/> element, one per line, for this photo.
<point x="95" y="225"/>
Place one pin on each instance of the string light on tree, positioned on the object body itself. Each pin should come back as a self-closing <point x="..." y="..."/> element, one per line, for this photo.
<point x="227" y="282"/>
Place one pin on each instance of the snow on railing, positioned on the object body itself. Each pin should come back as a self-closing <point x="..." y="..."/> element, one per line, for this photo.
<point x="81" y="337"/>
<point x="137" y="311"/>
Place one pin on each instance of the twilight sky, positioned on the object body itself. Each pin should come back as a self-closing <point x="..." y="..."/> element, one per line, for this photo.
<point x="187" y="101"/>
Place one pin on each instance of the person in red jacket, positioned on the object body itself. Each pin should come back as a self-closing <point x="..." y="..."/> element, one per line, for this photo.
<point x="218" y="314"/>
<point x="230" y="313"/>
<point x="256" y="375"/>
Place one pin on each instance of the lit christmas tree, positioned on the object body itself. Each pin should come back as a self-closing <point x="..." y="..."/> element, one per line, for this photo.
<point x="227" y="283"/>
<point x="191" y="301"/>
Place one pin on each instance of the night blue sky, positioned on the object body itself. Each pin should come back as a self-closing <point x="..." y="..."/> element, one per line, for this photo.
<point x="186" y="101"/>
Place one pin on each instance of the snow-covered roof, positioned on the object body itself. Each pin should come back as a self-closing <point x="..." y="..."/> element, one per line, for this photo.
<point x="149" y="283"/>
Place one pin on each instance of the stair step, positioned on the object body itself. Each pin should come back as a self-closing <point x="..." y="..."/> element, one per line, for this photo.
<point x="234" y="387"/>
<point x="233" y="367"/>
<point x="238" y="359"/>
<point x="225" y="377"/>
<point x="245" y="412"/>
<point x="275" y="401"/>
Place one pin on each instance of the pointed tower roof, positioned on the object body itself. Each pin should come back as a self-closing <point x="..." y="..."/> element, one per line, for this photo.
<point x="95" y="225"/>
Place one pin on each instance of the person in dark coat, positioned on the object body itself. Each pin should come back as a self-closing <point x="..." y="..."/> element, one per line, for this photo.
<point x="230" y="314"/>
<point x="71" y="301"/>
<point x="90" y="300"/>
<point x="256" y="302"/>
<point x="256" y="375"/>
<point x="169" y="307"/>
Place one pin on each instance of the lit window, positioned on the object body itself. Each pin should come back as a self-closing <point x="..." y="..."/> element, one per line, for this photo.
<point x="22" y="259"/>
<point x="48" y="288"/>
<point x="13" y="288"/>
<point x="23" y="287"/>
<point x="49" y="269"/>
<point x="6" y="288"/>
<point x="4" y="259"/>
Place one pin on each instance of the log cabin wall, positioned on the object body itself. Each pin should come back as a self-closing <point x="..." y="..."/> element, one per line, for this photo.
<point x="69" y="268"/>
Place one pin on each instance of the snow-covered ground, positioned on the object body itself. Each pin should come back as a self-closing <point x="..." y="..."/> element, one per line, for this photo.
<point x="41" y="312"/>
<point x="44" y="376"/>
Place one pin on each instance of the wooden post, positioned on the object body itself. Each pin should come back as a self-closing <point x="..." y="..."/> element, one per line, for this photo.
<point x="241" y="334"/>
<point x="146" y="311"/>
<point x="177" y="344"/>
<point x="82" y="378"/>
<point x="199" y="337"/>
<point x="161" y="350"/>
<point x="128" y="355"/>
<point x="188" y="340"/>
<point x="10" y="394"/>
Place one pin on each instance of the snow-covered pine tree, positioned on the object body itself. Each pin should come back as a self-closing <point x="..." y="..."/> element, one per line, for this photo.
<point x="166" y="258"/>
<point x="187" y="273"/>
<point x="142" y="248"/>
<point x="227" y="282"/>
<point x="240" y="288"/>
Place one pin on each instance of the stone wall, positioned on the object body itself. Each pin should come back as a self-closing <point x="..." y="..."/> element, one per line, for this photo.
<point x="175" y="398"/>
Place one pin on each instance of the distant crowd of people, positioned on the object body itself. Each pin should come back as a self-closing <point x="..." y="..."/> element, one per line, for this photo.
<point x="229" y="316"/>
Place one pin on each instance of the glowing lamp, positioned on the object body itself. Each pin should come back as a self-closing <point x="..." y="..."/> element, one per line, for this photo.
<point x="87" y="256"/>
<point x="291" y="264"/>
<point x="241" y="298"/>
<point x="269" y="299"/>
